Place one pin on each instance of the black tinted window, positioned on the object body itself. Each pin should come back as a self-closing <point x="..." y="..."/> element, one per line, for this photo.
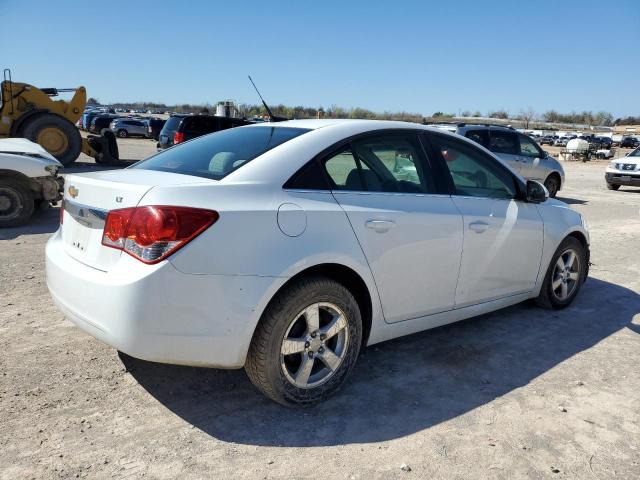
<point x="201" y="124"/>
<point x="217" y="155"/>
<point x="503" y="142"/>
<point x="479" y="136"/>
<point x="172" y="123"/>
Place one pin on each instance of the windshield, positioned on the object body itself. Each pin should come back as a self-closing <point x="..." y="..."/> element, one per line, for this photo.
<point x="635" y="153"/>
<point x="218" y="154"/>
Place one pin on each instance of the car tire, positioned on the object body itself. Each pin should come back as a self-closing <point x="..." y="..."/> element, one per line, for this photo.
<point x="122" y="133"/>
<point x="553" y="184"/>
<point x="564" y="277"/>
<point x="298" y="365"/>
<point x="612" y="186"/>
<point x="16" y="203"/>
<point x="56" y="134"/>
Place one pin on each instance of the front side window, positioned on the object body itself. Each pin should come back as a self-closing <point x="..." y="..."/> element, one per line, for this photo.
<point x="503" y="142"/>
<point x="473" y="173"/>
<point x="528" y="147"/>
<point x="216" y="155"/>
<point x="390" y="162"/>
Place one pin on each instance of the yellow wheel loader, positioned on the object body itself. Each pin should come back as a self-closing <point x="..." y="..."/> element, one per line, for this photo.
<point x="29" y="112"/>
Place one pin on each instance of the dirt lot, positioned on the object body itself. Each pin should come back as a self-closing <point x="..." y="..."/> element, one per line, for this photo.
<point x="522" y="392"/>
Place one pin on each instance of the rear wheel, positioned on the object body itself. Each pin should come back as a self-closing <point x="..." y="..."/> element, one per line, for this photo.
<point x="553" y="184"/>
<point x="56" y="134"/>
<point x="612" y="186"/>
<point x="122" y="133"/>
<point x="307" y="342"/>
<point x="16" y="203"/>
<point x="565" y="275"/>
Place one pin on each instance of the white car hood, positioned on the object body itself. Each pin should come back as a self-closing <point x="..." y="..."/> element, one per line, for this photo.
<point x="22" y="145"/>
<point x="26" y="157"/>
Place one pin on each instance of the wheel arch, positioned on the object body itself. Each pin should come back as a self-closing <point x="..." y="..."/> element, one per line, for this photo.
<point x="557" y="175"/>
<point x="347" y="277"/>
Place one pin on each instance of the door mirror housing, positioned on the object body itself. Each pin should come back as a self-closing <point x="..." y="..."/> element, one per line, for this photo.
<point x="536" y="192"/>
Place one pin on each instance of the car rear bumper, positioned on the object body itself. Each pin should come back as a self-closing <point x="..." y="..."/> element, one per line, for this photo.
<point x="157" y="313"/>
<point x="629" y="179"/>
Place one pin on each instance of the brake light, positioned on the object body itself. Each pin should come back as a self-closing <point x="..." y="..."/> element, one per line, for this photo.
<point x="152" y="233"/>
<point x="178" y="137"/>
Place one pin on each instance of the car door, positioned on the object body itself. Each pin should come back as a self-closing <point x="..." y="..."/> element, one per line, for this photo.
<point x="502" y="244"/>
<point x="410" y="233"/>
<point x="531" y="156"/>
<point x="504" y="143"/>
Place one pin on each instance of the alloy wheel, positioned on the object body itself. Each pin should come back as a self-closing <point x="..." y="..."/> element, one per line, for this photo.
<point x="314" y="345"/>
<point x="566" y="274"/>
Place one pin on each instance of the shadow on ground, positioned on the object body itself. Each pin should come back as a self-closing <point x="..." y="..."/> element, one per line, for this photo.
<point x="572" y="201"/>
<point x="42" y="221"/>
<point x="402" y="386"/>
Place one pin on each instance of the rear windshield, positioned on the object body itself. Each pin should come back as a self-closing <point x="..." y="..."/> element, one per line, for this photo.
<point x="172" y="123"/>
<point x="218" y="154"/>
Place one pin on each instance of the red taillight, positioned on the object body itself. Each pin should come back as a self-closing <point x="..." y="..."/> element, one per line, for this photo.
<point x="152" y="233"/>
<point x="178" y="137"/>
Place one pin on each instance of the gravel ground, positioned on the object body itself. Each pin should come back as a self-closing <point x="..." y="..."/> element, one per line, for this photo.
<point x="522" y="392"/>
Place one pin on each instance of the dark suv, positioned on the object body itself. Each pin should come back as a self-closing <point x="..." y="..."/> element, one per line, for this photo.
<point x="180" y="128"/>
<point x="629" y="142"/>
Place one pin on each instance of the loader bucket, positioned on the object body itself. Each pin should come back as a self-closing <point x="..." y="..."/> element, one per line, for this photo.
<point x="105" y="146"/>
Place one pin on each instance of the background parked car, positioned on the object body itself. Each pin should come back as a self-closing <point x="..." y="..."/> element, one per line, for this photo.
<point x="546" y="140"/>
<point x="154" y="127"/>
<point x="129" y="127"/>
<point x="629" y="142"/>
<point x="522" y="153"/>
<point x="28" y="179"/>
<point x="102" y="121"/>
<point x="180" y="128"/>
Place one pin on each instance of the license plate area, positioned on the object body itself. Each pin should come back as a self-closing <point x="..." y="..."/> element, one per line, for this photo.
<point x="625" y="178"/>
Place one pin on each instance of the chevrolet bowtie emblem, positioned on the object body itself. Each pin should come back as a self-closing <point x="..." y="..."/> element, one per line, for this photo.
<point x="73" y="191"/>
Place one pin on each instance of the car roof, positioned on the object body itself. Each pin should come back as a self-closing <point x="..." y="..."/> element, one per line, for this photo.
<point x="364" y="125"/>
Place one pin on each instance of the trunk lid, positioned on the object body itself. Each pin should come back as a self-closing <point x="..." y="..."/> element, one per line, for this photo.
<point x="88" y="198"/>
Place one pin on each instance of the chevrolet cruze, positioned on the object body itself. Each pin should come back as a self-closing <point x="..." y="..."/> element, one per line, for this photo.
<point x="286" y="248"/>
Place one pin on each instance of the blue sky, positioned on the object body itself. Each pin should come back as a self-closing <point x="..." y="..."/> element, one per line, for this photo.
<point x="417" y="56"/>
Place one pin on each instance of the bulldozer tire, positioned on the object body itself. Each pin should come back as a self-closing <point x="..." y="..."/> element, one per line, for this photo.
<point x="56" y="134"/>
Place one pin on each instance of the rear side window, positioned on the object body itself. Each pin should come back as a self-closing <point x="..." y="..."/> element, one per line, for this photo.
<point x="503" y="142"/>
<point x="201" y="124"/>
<point x="528" y="147"/>
<point x="343" y="171"/>
<point x="216" y="155"/>
<point x="479" y="136"/>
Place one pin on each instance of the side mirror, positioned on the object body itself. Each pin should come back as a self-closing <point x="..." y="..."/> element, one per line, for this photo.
<point x="536" y="192"/>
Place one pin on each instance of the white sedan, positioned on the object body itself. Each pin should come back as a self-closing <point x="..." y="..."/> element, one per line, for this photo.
<point x="285" y="248"/>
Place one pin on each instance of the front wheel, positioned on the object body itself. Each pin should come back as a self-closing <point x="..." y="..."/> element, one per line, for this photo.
<point x="307" y="342"/>
<point x="612" y="186"/>
<point x="565" y="275"/>
<point x="123" y="133"/>
<point x="553" y="185"/>
<point x="16" y="203"/>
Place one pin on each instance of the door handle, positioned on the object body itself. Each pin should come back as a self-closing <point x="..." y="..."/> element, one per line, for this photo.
<point x="380" y="226"/>
<point x="478" y="227"/>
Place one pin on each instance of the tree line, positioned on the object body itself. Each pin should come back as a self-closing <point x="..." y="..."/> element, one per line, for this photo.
<point x="527" y="117"/>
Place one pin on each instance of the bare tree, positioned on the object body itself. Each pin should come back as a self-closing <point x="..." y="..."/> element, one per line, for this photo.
<point x="527" y="116"/>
